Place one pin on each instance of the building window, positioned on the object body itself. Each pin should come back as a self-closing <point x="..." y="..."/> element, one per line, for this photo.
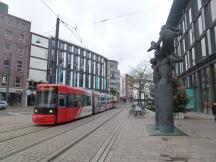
<point x="94" y="67"/>
<point x="188" y="59"/>
<point x="19" y="66"/>
<point x="199" y="4"/>
<point x="75" y="50"/>
<point x="209" y="42"/>
<point x="61" y="59"/>
<point x="82" y="63"/>
<point x="213" y="11"/>
<point x="17" y="23"/>
<point x="9" y="21"/>
<point x="23" y="25"/>
<point x="215" y="36"/>
<point x="21" y="37"/>
<point x="52" y="53"/>
<point x="53" y="43"/>
<point x="183" y="46"/>
<point x="190" y="37"/>
<point x="8" y="34"/>
<point x="203" y="46"/>
<point x="186" y="62"/>
<point x="3" y="80"/>
<point x="190" y="15"/>
<point x="18" y="82"/>
<point x="7" y="47"/>
<point x="6" y="64"/>
<point x="70" y="48"/>
<point x="21" y="51"/>
<point x="2" y="19"/>
<point x="203" y="19"/>
<point x="62" y="45"/>
<point x="183" y="26"/>
<point x="200" y="25"/>
<point x="193" y="57"/>
<point x="214" y="74"/>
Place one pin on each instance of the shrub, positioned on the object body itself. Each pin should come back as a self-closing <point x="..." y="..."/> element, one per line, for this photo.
<point x="180" y="98"/>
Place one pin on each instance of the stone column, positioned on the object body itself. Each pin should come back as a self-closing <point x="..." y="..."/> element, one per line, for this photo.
<point x="165" y="98"/>
<point x="156" y="108"/>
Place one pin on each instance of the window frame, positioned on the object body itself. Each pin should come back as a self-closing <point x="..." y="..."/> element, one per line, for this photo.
<point x="18" y="68"/>
<point x="18" y="84"/>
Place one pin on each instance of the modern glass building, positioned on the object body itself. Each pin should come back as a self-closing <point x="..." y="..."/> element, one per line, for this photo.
<point x="77" y="66"/>
<point x="113" y="78"/>
<point x="197" y="46"/>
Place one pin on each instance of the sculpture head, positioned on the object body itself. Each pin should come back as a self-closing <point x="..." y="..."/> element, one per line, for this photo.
<point x="154" y="46"/>
<point x="169" y="32"/>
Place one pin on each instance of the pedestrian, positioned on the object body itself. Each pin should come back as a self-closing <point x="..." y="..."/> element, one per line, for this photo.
<point x="214" y="110"/>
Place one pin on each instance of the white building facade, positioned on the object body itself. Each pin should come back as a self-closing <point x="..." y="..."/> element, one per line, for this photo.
<point x="39" y="52"/>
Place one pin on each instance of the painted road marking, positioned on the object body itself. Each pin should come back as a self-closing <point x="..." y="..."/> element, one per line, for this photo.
<point x="11" y="113"/>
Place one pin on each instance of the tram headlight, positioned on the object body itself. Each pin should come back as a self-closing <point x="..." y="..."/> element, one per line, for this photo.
<point x="36" y="110"/>
<point x="50" y="111"/>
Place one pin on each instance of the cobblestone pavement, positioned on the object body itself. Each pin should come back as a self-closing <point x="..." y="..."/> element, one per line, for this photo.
<point x="44" y="143"/>
<point x="135" y="144"/>
<point x="113" y="139"/>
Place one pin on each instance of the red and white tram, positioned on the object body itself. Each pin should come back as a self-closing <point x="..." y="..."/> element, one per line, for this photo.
<point x="61" y="103"/>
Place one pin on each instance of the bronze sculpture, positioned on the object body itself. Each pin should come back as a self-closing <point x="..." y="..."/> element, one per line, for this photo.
<point x="162" y="64"/>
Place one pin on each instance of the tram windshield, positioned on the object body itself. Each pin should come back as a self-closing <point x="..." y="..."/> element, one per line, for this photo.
<point x="46" y="97"/>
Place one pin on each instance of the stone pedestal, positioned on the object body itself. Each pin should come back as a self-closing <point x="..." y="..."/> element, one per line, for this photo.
<point x="165" y="106"/>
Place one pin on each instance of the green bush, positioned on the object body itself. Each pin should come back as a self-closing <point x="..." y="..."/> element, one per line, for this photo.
<point x="180" y="98"/>
<point x="151" y="108"/>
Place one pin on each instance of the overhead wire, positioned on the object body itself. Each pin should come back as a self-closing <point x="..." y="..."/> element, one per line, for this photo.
<point x="120" y="16"/>
<point x="49" y="7"/>
<point x="79" y="38"/>
<point x="64" y="23"/>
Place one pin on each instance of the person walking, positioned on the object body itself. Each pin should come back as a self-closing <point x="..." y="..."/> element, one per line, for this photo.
<point x="214" y="110"/>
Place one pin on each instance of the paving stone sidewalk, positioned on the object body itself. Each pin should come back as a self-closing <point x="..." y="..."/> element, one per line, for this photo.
<point x="19" y="109"/>
<point x="136" y="145"/>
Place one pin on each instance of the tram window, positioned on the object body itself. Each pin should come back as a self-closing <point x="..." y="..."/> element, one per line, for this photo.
<point x="78" y="100"/>
<point x="61" y="100"/>
<point x="84" y="103"/>
<point x="71" y="99"/>
<point x="88" y="100"/>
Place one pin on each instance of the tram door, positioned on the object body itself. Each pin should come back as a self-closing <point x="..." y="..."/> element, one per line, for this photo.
<point x="62" y="110"/>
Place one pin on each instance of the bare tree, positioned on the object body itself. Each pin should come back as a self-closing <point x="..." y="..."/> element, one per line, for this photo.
<point x="142" y="74"/>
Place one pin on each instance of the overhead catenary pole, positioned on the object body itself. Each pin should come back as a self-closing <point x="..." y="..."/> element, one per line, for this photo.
<point x="8" y="79"/>
<point x="56" y="64"/>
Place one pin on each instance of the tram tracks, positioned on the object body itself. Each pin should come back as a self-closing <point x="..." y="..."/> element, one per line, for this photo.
<point x="13" y="128"/>
<point x="22" y="147"/>
<point x="20" y="132"/>
<point x="94" y="145"/>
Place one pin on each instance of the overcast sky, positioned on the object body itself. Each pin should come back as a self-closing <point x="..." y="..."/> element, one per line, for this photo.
<point x="122" y="38"/>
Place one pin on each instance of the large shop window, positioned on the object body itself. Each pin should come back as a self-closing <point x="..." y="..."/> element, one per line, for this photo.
<point x="203" y="46"/>
<point x="199" y="4"/>
<point x="213" y="9"/>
